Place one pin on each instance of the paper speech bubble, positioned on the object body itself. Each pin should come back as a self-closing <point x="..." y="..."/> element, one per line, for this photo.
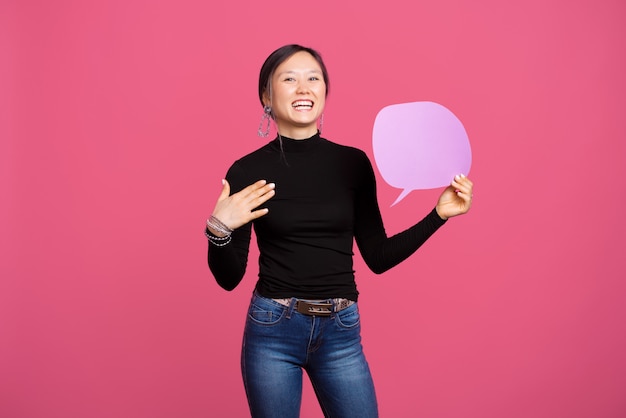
<point x="419" y="145"/>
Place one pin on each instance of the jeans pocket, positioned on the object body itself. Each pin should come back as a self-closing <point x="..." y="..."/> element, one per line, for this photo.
<point x="265" y="315"/>
<point x="348" y="318"/>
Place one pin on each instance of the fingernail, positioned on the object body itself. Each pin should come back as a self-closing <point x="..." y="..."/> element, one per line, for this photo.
<point x="223" y="182"/>
<point x="463" y="175"/>
<point x="457" y="177"/>
<point x="272" y="185"/>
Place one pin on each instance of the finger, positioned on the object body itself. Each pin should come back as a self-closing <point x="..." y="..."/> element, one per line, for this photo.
<point x="225" y="190"/>
<point x="467" y="197"/>
<point x="462" y="178"/>
<point x="260" y="200"/>
<point x="467" y="201"/>
<point x="462" y="183"/>
<point x="253" y="189"/>
<point x="459" y="189"/>
<point x="465" y="181"/>
<point x="469" y="187"/>
<point x="258" y="213"/>
<point x="260" y="195"/>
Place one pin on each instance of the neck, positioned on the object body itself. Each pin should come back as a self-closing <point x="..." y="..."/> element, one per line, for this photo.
<point x="295" y="132"/>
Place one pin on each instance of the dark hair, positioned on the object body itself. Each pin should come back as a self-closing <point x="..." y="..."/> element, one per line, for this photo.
<point x="281" y="55"/>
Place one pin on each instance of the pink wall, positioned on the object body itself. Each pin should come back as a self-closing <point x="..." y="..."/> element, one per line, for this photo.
<point x="119" y="118"/>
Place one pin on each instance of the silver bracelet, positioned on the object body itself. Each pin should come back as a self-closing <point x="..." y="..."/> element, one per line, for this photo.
<point x="219" y="226"/>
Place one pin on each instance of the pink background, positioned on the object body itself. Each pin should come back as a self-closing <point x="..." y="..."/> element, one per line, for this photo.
<point x="119" y="118"/>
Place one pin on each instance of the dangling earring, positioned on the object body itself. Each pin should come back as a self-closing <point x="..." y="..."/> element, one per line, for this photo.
<point x="265" y="119"/>
<point x="321" y="124"/>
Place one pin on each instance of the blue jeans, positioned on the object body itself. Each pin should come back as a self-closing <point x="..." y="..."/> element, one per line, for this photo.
<point x="279" y="342"/>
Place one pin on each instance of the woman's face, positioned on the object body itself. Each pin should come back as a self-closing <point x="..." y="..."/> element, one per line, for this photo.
<point x="298" y="95"/>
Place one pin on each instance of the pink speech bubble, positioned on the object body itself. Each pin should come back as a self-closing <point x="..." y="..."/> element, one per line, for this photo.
<point x="419" y="145"/>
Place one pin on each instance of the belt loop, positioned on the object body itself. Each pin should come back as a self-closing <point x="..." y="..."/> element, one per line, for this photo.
<point x="290" y="308"/>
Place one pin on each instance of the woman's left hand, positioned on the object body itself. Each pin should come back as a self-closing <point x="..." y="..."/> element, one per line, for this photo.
<point x="456" y="199"/>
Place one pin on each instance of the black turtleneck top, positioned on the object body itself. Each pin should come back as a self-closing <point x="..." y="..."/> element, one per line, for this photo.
<point x="325" y="199"/>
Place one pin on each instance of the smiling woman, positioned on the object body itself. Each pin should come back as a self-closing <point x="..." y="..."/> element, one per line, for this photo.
<point x="297" y="72"/>
<point x="296" y="95"/>
<point x="308" y="199"/>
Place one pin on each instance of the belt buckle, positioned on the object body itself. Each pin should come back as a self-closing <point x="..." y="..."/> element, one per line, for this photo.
<point x="315" y="309"/>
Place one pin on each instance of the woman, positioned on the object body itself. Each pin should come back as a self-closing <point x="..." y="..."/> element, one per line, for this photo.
<point x="308" y="199"/>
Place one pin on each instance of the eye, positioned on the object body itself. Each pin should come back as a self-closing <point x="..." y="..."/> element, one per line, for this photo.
<point x="314" y="78"/>
<point x="290" y="79"/>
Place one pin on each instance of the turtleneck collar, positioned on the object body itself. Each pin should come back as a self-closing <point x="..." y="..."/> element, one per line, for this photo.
<point x="296" y="145"/>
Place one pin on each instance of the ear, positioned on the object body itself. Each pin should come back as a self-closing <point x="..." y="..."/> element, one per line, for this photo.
<point x="266" y="98"/>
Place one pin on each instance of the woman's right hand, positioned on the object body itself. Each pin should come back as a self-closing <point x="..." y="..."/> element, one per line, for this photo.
<point x="238" y="209"/>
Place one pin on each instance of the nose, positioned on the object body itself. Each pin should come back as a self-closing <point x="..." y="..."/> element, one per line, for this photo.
<point x="302" y="87"/>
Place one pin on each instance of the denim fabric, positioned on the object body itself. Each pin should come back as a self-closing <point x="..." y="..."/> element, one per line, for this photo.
<point x="280" y="342"/>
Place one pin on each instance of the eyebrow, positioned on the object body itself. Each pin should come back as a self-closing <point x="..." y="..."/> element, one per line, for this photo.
<point x="295" y="72"/>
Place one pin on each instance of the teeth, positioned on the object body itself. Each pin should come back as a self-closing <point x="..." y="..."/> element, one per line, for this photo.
<point x="302" y="103"/>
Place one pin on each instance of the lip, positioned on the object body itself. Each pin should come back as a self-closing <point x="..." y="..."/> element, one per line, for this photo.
<point x="303" y="102"/>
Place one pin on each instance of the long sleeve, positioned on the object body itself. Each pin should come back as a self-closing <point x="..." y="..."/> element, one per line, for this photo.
<point x="380" y="252"/>
<point x="228" y="263"/>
